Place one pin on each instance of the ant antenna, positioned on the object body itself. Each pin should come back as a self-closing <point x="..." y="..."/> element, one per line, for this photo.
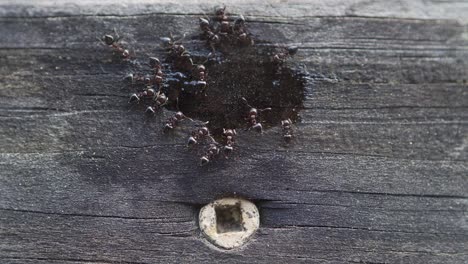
<point x="246" y="102"/>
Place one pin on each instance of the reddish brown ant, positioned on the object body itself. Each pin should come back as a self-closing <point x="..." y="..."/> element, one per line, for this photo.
<point x="204" y="24"/>
<point x="229" y="135"/>
<point x="113" y="42"/>
<point x="252" y="118"/>
<point x="219" y="29"/>
<point x="173" y="47"/>
<point x="173" y="121"/>
<point x="280" y="57"/>
<point x="159" y="100"/>
<point x="199" y="73"/>
<point x="220" y="13"/>
<point x="239" y="25"/>
<point x="199" y="134"/>
<point x="181" y="58"/>
<point x="137" y="78"/>
<point x="240" y="30"/>
<point x="206" y="27"/>
<point x="286" y="126"/>
<point x="210" y="154"/>
<point x="148" y="93"/>
<point x="156" y="78"/>
<point x="156" y="66"/>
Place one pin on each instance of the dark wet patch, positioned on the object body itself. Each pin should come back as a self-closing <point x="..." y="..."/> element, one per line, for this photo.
<point x="244" y="72"/>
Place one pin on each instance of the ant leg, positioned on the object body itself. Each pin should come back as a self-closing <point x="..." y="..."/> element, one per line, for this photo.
<point x="212" y="45"/>
<point x="177" y="103"/>
<point x="211" y="54"/>
<point x="134" y="98"/>
<point x="246" y="102"/>
<point x="212" y="139"/>
<point x="101" y="40"/>
<point x="163" y="104"/>
<point x="179" y="40"/>
<point x="117" y="36"/>
<point x="190" y="119"/>
<point x="264" y="109"/>
<point x="150" y="110"/>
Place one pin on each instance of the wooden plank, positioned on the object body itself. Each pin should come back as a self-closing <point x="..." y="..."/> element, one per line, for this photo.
<point x="377" y="172"/>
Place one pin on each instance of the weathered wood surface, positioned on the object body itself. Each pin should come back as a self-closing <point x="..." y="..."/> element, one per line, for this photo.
<point x="378" y="175"/>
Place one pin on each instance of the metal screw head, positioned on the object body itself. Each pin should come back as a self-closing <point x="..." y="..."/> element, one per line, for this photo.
<point x="229" y="222"/>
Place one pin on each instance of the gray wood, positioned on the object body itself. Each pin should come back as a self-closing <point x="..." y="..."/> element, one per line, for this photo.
<point x="377" y="173"/>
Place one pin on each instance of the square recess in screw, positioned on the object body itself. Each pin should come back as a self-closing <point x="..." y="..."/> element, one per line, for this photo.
<point x="228" y="218"/>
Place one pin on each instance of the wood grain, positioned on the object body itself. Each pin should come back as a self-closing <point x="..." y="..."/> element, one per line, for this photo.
<point x="377" y="172"/>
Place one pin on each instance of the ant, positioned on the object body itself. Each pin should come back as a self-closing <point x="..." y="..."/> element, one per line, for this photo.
<point x="229" y="135"/>
<point x="239" y="25"/>
<point x="201" y="133"/>
<point x="252" y="118"/>
<point x="112" y="42"/>
<point x="213" y="39"/>
<point x="157" y="77"/>
<point x="199" y="73"/>
<point x="160" y="100"/>
<point x="135" y="77"/>
<point x="148" y="93"/>
<point x="156" y="66"/>
<point x="172" y="45"/>
<point x="239" y="28"/>
<point x="177" y="52"/>
<point x="219" y="28"/>
<point x="210" y="154"/>
<point x="279" y="58"/>
<point x="220" y="13"/>
<point x="173" y="121"/>
<point x="286" y="126"/>
<point x="174" y="48"/>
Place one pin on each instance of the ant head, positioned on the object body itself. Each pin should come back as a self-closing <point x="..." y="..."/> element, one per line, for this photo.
<point x="220" y="10"/>
<point x="292" y="50"/>
<point x="153" y="62"/>
<point x="253" y="112"/>
<point x="162" y="97"/>
<point x="228" y="149"/>
<point x="204" y="22"/>
<point x="191" y="141"/>
<point x="108" y="39"/>
<point x="204" y="130"/>
<point x="166" y="42"/>
<point x="181" y="49"/>
<point x="150" y="91"/>
<point x="129" y="77"/>
<point x="126" y="53"/>
<point x="229" y="132"/>
<point x="240" y="20"/>
<point x="204" y="160"/>
<point x="201" y="68"/>
<point x="243" y="36"/>
<point x="179" y="115"/>
<point x="257" y="127"/>
<point x="214" y="38"/>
